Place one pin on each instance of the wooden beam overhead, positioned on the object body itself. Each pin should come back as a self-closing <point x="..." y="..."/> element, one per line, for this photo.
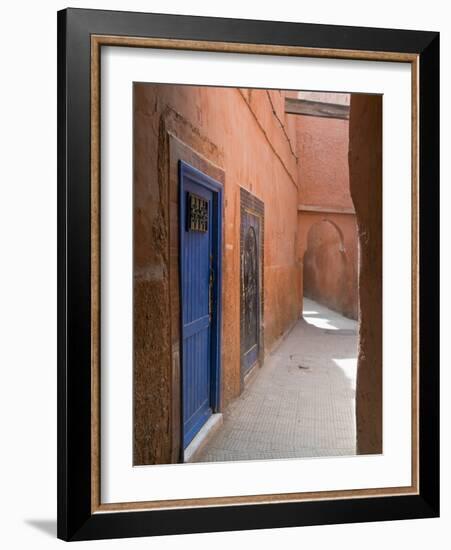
<point x="319" y="209"/>
<point x="316" y="108"/>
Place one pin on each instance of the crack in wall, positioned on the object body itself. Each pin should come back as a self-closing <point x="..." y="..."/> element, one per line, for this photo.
<point x="282" y="125"/>
<point x="294" y="181"/>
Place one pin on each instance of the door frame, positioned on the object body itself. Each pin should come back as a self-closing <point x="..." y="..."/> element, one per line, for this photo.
<point x="200" y="178"/>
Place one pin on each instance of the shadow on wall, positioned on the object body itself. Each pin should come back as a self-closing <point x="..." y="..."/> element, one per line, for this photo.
<point x="328" y="277"/>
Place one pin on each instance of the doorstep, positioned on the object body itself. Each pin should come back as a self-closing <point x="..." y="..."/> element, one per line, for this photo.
<point x="204" y="435"/>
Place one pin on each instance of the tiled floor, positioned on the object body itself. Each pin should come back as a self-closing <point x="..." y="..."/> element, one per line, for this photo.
<point x="301" y="403"/>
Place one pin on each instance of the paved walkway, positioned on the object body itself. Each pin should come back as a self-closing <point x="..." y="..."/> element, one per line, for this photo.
<point x="301" y="403"/>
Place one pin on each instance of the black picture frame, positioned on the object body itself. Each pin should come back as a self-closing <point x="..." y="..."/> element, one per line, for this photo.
<point x="75" y="518"/>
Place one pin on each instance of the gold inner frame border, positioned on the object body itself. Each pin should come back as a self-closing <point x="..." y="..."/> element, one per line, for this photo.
<point x="97" y="41"/>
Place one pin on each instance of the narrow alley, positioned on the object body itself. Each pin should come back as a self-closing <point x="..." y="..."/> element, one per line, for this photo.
<point x="302" y="402"/>
<point x="233" y="226"/>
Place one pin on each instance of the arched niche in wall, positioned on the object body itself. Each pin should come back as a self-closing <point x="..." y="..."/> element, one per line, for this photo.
<point x="325" y="266"/>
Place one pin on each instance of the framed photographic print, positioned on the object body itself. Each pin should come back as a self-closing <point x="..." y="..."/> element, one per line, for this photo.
<point x="248" y="274"/>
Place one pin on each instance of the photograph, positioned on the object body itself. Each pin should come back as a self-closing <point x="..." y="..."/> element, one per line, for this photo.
<point x="253" y="226"/>
<point x="225" y="307"/>
<point x="247" y="232"/>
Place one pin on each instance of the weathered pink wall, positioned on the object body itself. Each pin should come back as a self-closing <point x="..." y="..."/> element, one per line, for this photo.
<point x="323" y="167"/>
<point x="328" y="245"/>
<point x="247" y="135"/>
<point x="330" y="261"/>
<point x="365" y="161"/>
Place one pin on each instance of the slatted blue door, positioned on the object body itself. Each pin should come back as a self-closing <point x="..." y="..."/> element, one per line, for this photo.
<point x="199" y="304"/>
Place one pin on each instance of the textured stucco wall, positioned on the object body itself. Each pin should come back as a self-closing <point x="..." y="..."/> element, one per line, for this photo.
<point x="323" y="167"/>
<point x="365" y="162"/>
<point x="245" y="134"/>
<point x="330" y="261"/>
<point x="328" y="244"/>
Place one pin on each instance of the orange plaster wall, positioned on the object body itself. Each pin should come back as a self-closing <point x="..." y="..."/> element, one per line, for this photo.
<point x="365" y="159"/>
<point x="323" y="161"/>
<point x="246" y="134"/>
<point x="330" y="260"/>
<point x="328" y="243"/>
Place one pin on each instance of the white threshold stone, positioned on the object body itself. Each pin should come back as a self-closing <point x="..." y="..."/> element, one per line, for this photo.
<point x="203" y="437"/>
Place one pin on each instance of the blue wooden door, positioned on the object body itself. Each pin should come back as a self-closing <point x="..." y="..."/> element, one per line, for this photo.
<point x="199" y="280"/>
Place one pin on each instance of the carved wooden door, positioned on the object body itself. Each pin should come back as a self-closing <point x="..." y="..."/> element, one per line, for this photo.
<point x="250" y="270"/>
